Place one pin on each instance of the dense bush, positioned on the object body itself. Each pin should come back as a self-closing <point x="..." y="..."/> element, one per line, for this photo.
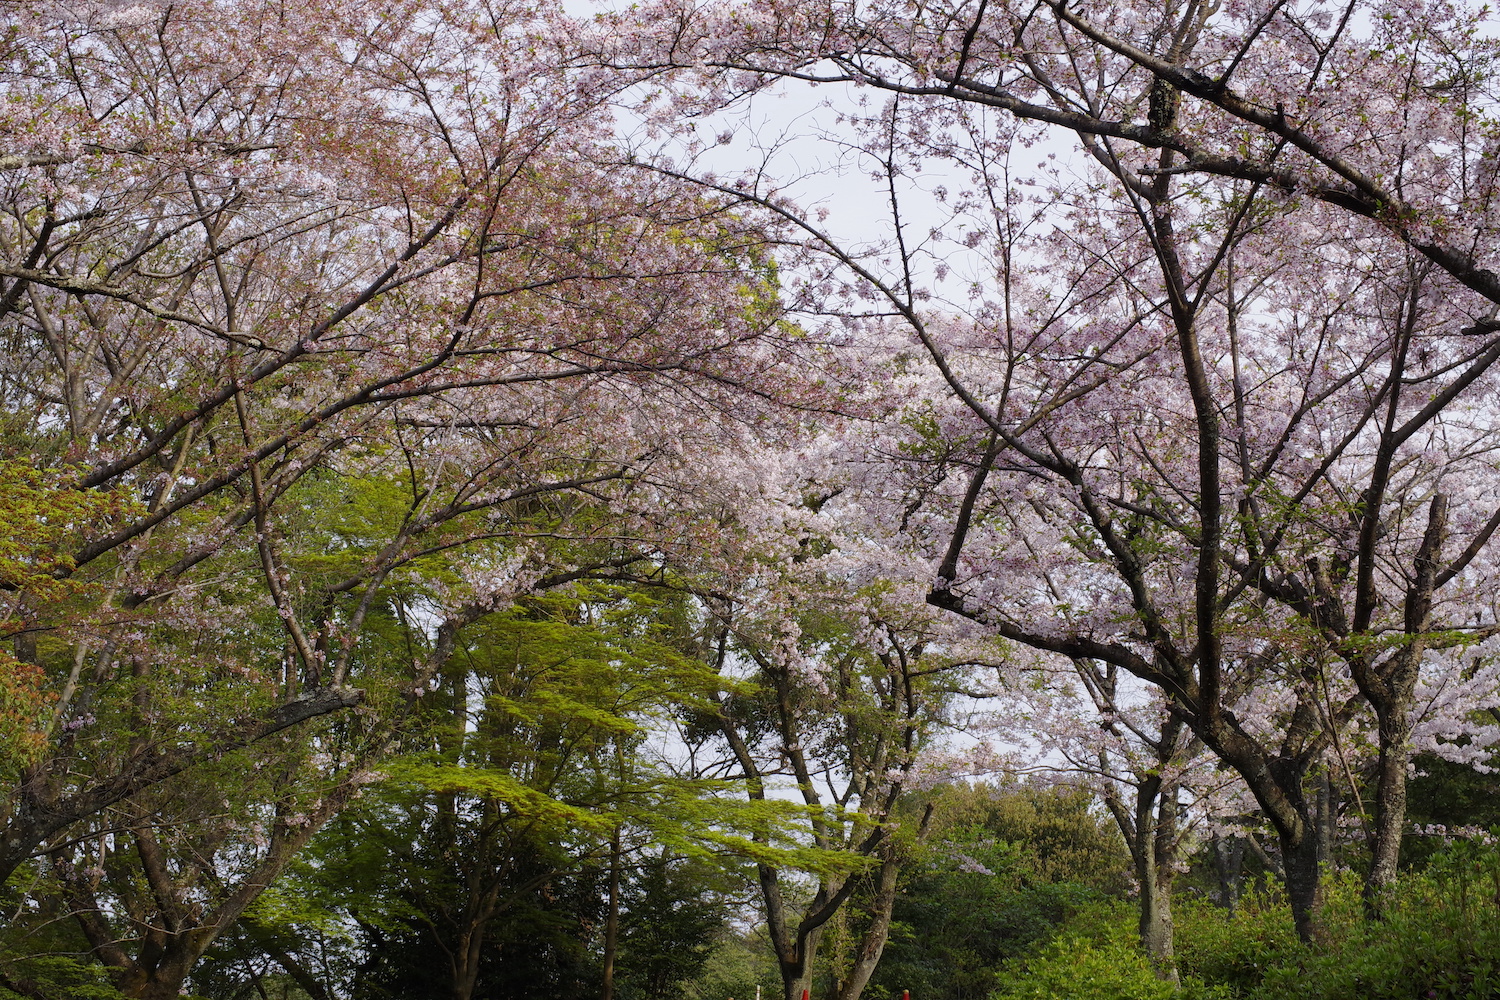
<point x="1096" y="957"/>
<point x="1439" y="939"/>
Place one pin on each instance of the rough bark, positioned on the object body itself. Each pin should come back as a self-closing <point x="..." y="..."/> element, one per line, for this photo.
<point x="872" y="945"/>
<point x="1390" y="802"/>
<point x="1156" y="919"/>
<point x="876" y="780"/>
<point x="1325" y="816"/>
<point x="796" y="965"/>
<point x="877" y="932"/>
<point x="170" y="952"/>
<point x="267" y="941"/>
<point x="1392" y="691"/>
<point x="1150" y="832"/>
<point x="1304" y="884"/>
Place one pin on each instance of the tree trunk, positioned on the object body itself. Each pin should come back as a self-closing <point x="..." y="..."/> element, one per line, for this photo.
<point x="1278" y="780"/>
<point x="1156" y="921"/>
<point x="612" y="919"/>
<point x="1229" y="865"/>
<point x="1390" y="806"/>
<point x="267" y="941"/>
<point x="468" y="950"/>
<point x="1151" y="834"/>
<point x="164" y="979"/>
<point x="872" y="946"/>
<point x="1325" y="816"/>
<point x="1304" y="884"/>
<point x="796" y="971"/>
<point x="1228" y="857"/>
<point x="1390" y="688"/>
<point x="1155" y="834"/>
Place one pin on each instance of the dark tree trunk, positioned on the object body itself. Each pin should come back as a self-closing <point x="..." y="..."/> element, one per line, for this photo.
<point x="1150" y="832"/>
<point x="1304" y="884"/>
<point x="1391" y="689"/>
<point x="1390" y="805"/>
<point x="1229" y="866"/>
<point x="612" y="920"/>
<point x="1325" y="816"/>
<point x="1156" y="920"/>
<point x="161" y="976"/>
<point x="872" y="945"/>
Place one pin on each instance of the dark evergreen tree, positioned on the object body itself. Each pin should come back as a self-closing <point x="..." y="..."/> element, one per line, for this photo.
<point x="675" y="911"/>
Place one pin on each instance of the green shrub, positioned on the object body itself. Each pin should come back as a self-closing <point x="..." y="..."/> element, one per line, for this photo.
<point x="1096" y="957"/>
<point x="1235" y="952"/>
<point x="1439" y="939"/>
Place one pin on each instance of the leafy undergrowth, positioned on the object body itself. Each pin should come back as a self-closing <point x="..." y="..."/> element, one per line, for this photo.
<point x="1095" y="957"/>
<point x="1439" y="940"/>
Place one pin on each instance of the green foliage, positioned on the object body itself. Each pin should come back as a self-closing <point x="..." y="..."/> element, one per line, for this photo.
<point x="672" y="916"/>
<point x="1096" y="957"/>
<point x="736" y="964"/>
<point x="1069" y="968"/>
<point x="1447" y="794"/>
<point x="1011" y="867"/>
<point x="1235" y="951"/>
<point x="24" y="702"/>
<point x="56" y="978"/>
<point x="494" y="823"/>
<point x="1064" y="839"/>
<point x="41" y="519"/>
<point x="1439" y="939"/>
<point x="539" y="945"/>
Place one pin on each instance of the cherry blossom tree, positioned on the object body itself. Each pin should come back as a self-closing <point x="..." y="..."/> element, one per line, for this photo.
<point x="836" y="701"/>
<point x="328" y="335"/>
<point x="1279" y="300"/>
<point x="1157" y="780"/>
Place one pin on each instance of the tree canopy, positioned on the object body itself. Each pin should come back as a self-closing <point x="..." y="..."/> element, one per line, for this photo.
<point x="472" y="522"/>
